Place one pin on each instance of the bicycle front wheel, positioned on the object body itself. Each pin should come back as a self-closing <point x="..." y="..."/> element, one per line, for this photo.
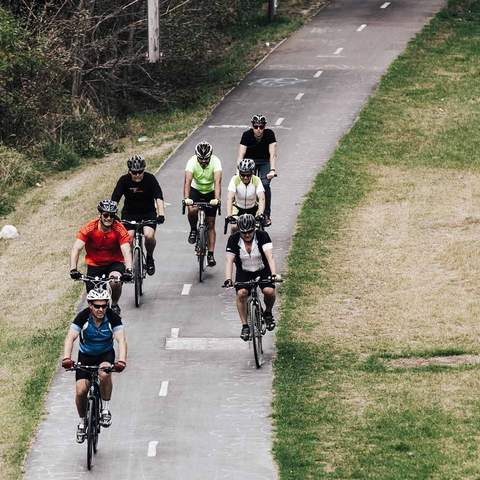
<point x="91" y="432"/>
<point x="254" y="322"/>
<point x="137" y="276"/>
<point x="202" y="248"/>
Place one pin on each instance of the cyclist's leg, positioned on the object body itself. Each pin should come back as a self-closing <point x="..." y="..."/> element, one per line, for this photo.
<point x="81" y="390"/>
<point x="242" y="295"/>
<point x="116" y="270"/>
<point x="106" y="360"/>
<point x="193" y="215"/>
<point x="150" y="241"/>
<point x="263" y="167"/>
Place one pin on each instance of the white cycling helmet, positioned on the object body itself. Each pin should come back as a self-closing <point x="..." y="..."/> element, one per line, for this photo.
<point x="247" y="165"/>
<point x="98" y="294"/>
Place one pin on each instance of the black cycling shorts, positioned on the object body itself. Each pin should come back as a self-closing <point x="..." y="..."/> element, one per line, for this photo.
<point x="139" y="217"/>
<point x="241" y="211"/>
<point x="84" y="359"/>
<point x="243" y="276"/>
<point x="196" y="196"/>
<point x="104" y="270"/>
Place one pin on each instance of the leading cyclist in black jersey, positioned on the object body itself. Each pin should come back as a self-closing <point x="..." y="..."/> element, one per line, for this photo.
<point x="143" y="201"/>
<point x="251" y="252"/>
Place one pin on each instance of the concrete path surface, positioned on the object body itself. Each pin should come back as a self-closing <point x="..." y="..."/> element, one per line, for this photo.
<point x="191" y="408"/>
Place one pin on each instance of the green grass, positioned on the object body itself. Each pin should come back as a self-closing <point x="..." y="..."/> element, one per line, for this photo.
<point x="338" y="414"/>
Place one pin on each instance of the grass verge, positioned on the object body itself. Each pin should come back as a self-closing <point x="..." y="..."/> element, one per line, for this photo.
<point x="384" y="265"/>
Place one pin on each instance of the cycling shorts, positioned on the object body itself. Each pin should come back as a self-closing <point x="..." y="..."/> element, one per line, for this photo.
<point x="105" y="270"/>
<point x="244" y="276"/>
<point x="137" y="217"/>
<point x="197" y="196"/>
<point x="240" y="211"/>
<point x="108" y="356"/>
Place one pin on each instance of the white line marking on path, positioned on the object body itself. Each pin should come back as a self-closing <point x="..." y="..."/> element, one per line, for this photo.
<point x="299" y="96"/>
<point x="361" y="27"/>
<point x="317" y="74"/>
<point x="338" y="51"/>
<point x="279" y="121"/>
<point x="152" y="448"/>
<point x="174" y="332"/>
<point x="386" y="4"/>
<point x="186" y="288"/>
<point x="163" y="389"/>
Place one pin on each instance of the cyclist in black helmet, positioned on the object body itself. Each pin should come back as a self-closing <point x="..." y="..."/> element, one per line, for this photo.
<point x="143" y="201"/>
<point x="251" y="252"/>
<point x="259" y="143"/>
<point x="203" y="179"/>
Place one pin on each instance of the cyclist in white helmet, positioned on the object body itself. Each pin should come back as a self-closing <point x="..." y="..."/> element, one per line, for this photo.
<point x="245" y="192"/>
<point x="97" y="326"/>
<point x="203" y="180"/>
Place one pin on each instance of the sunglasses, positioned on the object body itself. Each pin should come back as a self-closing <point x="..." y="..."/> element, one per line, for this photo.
<point x="247" y="233"/>
<point x="246" y="175"/>
<point x="108" y="215"/>
<point x="136" y="172"/>
<point x="96" y="306"/>
<point x="259" y="127"/>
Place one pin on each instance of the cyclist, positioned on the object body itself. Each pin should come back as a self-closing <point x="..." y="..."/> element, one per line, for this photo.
<point x="143" y="201"/>
<point x="251" y="251"/>
<point x="97" y="326"/>
<point x="107" y="245"/>
<point x="243" y="191"/>
<point x="203" y="178"/>
<point x="260" y="144"/>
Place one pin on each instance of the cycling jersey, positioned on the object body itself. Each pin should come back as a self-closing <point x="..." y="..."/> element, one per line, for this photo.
<point x="139" y="196"/>
<point x="258" y="149"/>
<point x="96" y="340"/>
<point x="256" y="259"/>
<point x="203" y="178"/>
<point x="103" y="248"/>
<point x="245" y="195"/>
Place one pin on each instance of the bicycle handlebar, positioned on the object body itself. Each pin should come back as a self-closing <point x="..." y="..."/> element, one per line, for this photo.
<point x="91" y="368"/>
<point x="256" y="282"/>
<point x="201" y="205"/>
<point x="99" y="280"/>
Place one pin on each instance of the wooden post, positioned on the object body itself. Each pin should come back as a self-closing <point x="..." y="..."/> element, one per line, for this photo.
<point x="153" y="31"/>
<point x="272" y="9"/>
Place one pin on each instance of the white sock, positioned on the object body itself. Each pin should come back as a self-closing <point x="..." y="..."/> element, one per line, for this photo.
<point x="82" y="420"/>
<point x="106" y="404"/>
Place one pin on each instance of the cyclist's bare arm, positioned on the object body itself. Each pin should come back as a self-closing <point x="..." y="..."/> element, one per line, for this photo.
<point x="127" y="254"/>
<point x="119" y="336"/>
<point x="160" y="206"/>
<point x="187" y="184"/>
<point x="75" y="253"/>
<point x="217" y="178"/>
<point x="72" y="335"/>
<point x="272" y="149"/>
<point x="271" y="261"/>
<point x="261" y="202"/>
<point x="229" y="258"/>
<point x="242" y="150"/>
<point x="230" y="198"/>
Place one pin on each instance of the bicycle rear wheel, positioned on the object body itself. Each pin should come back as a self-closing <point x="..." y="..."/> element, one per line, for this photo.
<point x="91" y="432"/>
<point x="202" y="248"/>
<point x="137" y="277"/>
<point x="254" y="322"/>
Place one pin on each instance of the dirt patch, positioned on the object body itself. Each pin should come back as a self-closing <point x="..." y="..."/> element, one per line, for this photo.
<point x="404" y="273"/>
<point x="447" y="361"/>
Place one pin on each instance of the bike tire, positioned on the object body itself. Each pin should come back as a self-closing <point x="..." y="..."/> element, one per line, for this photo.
<point x="91" y="432"/>
<point x="254" y="322"/>
<point x="202" y="248"/>
<point x="137" y="278"/>
<point x="97" y="429"/>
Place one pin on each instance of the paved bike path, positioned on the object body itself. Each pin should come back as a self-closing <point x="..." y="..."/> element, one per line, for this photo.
<point x="191" y="404"/>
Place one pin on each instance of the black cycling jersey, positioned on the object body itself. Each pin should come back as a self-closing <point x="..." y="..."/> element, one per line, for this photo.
<point x="260" y="240"/>
<point x="139" y="196"/>
<point x="258" y="150"/>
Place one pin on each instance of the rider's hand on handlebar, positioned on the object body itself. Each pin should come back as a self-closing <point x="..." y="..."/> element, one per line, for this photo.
<point x="160" y="219"/>
<point x="127" y="276"/>
<point x="260" y="218"/>
<point x="119" y="366"/>
<point x="67" y="363"/>
<point x="230" y="219"/>
<point x="214" y="202"/>
<point x="276" y="277"/>
<point x="228" y="283"/>
<point x="188" y="202"/>
<point x="75" y="274"/>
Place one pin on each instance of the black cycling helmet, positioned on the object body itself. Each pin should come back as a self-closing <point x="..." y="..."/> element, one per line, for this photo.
<point x="247" y="165"/>
<point x="135" y="163"/>
<point x="109" y="206"/>
<point x="258" y="119"/>
<point x="246" y="223"/>
<point x="203" y="151"/>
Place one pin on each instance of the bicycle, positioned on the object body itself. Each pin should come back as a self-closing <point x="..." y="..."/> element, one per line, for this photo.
<point x="99" y="282"/>
<point x="202" y="235"/>
<point x="94" y="407"/>
<point x="255" y="320"/>
<point x="139" y="256"/>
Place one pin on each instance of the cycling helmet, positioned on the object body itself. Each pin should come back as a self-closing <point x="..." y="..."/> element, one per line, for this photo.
<point x="109" y="206"/>
<point x="246" y="223"/>
<point x="247" y="165"/>
<point x="203" y="151"/>
<point x="259" y="119"/>
<point x="98" y="294"/>
<point x="135" y="163"/>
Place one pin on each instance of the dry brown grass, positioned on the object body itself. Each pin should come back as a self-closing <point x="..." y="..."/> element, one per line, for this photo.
<point x="35" y="284"/>
<point x="405" y="271"/>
